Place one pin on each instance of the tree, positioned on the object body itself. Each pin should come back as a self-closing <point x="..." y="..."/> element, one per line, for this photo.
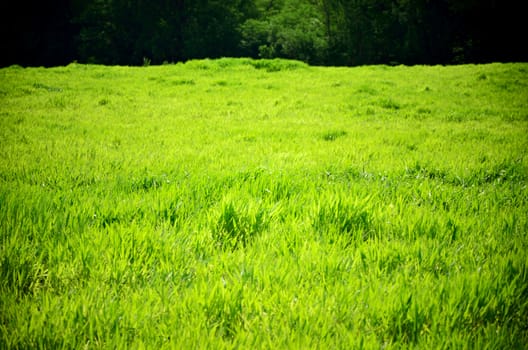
<point x="336" y="32"/>
<point x="212" y="27"/>
<point x="39" y="33"/>
<point x="287" y="29"/>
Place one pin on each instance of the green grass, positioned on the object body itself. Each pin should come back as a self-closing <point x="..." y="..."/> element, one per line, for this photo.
<point x="235" y="203"/>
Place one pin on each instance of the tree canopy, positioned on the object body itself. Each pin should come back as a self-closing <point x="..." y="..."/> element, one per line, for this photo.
<point x="323" y="32"/>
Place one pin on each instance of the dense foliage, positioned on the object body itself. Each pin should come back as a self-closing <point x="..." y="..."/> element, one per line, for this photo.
<point x="327" y="32"/>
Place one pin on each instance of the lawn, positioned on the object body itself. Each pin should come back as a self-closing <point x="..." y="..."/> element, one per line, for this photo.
<point x="239" y="203"/>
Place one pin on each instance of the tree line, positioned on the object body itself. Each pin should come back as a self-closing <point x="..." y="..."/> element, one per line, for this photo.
<point x="321" y="32"/>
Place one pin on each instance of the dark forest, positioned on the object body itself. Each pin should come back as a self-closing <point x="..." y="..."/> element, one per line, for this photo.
<point x="319" y="32"/>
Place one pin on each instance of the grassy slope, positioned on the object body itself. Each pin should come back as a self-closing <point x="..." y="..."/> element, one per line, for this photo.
<point x="264" y="204"/>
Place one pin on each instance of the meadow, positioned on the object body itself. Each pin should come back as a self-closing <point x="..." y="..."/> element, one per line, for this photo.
<point x="239" y="203"/>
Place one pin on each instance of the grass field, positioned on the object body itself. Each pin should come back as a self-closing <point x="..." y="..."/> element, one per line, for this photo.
<point x="235" y="203"/>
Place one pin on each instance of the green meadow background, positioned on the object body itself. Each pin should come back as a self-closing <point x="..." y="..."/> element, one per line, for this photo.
<point x="238" y="203"/>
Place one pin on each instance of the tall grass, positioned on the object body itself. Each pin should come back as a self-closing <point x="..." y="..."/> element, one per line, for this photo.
<point x="236" y="203"/>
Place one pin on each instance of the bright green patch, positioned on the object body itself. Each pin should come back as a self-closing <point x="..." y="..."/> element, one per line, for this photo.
<point x="263" y="204"/>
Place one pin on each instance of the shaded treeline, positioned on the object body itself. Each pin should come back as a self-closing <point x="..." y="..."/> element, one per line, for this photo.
<point x="325" y="32"/>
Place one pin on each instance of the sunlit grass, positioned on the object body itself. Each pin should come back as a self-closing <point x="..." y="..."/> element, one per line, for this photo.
<point x="263" y="204"/>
